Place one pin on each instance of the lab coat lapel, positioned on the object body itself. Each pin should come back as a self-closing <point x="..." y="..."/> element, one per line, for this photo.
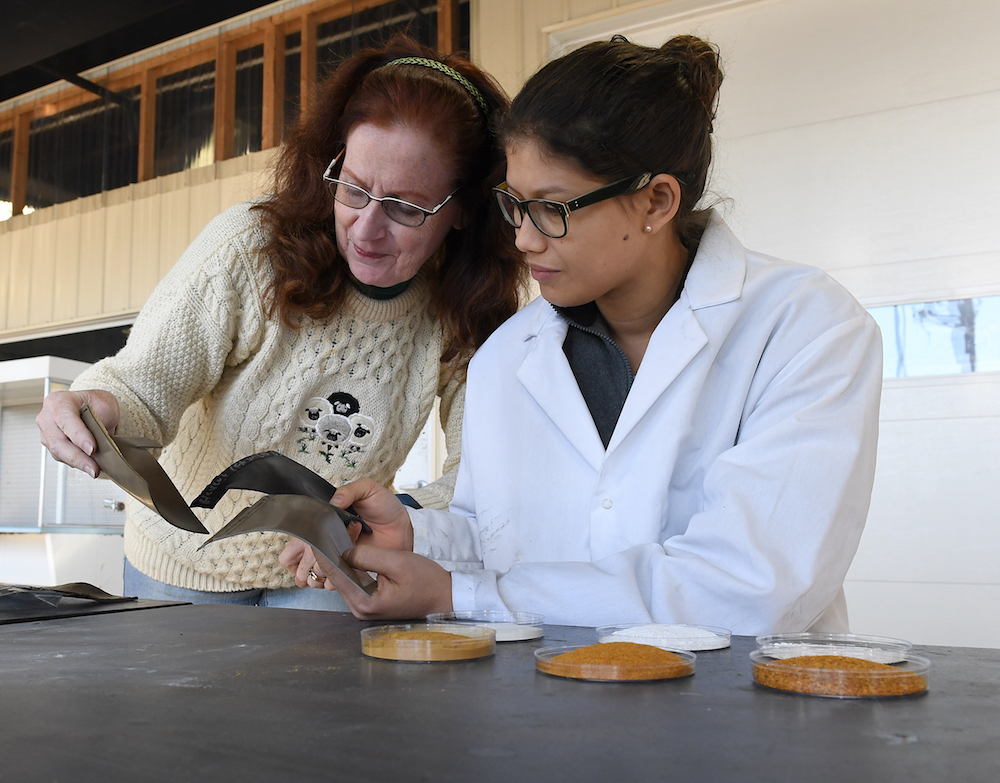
<point x="546" y="376"/>
<point x="677" y="340"/>
<point x="716" y="277"/>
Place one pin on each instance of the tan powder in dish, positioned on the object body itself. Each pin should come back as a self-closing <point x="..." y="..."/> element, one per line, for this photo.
<point x="617" y="661"/>
<point x="404" y="644"/>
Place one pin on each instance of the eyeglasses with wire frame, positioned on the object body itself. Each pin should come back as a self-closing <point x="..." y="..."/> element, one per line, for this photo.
<point x="552" y="217"/>
<point x="356" y="197"/>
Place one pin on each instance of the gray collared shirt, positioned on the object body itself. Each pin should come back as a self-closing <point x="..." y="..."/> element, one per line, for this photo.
<point x="601" y="369"/>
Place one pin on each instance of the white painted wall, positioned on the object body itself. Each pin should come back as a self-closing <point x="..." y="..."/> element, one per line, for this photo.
<point x="860" y="136"/>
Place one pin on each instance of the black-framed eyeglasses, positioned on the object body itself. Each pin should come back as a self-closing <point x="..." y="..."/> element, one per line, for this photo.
<point x="356" y="197"/>
<point x="552" y="217"/>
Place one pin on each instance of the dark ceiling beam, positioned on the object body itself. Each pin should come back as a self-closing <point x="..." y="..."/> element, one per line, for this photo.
<point x="89" y="86"/>
<point x="36" y="34"/>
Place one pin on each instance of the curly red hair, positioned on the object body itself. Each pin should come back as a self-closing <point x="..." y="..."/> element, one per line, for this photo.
<point x="482" y="278"/>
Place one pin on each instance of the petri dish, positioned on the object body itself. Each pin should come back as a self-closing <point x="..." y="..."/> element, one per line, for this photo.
<point x="880" y="649"/>
<point x="619" y="662"/>
<point x="428" y="642"/>
<point x="509" y="626"/>
<point x="842" y="677"/>
<point x="674" y="636"/>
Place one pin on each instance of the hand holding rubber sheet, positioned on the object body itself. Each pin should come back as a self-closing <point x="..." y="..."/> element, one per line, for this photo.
<point x="296" y="501"/>
<point x="319" y="524"/>
<point x="128" y="463"/>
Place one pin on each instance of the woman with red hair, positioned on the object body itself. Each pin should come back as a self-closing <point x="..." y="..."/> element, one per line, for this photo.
<point x="320" y="321"/>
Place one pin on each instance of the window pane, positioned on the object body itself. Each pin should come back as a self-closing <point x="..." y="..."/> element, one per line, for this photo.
<point x="185" y="112"/>
<point x="293" y="71"/>
<point x="249" y="99"/>
<point x="84" y="150"/>
<point x="940" y="338"/>
<point x="340" y="37"/>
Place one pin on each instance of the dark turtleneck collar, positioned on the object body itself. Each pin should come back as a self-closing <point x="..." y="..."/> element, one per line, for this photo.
<point x="377" y="292"/>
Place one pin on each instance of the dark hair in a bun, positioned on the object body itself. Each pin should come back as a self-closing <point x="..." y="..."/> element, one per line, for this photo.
<point x="619" y="109"/>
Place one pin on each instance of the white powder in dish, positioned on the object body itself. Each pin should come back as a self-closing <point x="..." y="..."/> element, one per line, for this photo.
<point x="676" y="637"/>
<point x="782" y="650"/>
<point x="515" y="632"/>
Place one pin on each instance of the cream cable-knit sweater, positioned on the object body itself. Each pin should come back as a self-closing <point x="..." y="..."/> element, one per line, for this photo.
<point x="209" y="375"/>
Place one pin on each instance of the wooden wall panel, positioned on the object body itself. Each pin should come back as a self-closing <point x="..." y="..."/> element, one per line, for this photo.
<point x="19" y="161"/>
<point x="93" y="233"/>
<point x="117" y="259"/>
<point x="497" y="43"/>
<point x="175" y="226"/>
<point x="509" y="38"/>
<point x="206" y="203"/>
<point x="67" y="261"/>
<point x="6" y="249"/>
<point x="233" y="190"/>
<point x="20" y="278"/>
<point x="145" y="250"/>
<point x="101" y="256"/>
<point x="576" y="9"/>
<point x="447" y="26"/>
<point x="231" y="174"/>
<point x="225" y="99"/>
<point x="273" y="109"/>
<point x="43" y="268"/>
<point x="307" y="67"/>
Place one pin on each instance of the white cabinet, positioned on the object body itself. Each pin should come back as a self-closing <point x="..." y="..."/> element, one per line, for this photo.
<point x="62" y="525"/>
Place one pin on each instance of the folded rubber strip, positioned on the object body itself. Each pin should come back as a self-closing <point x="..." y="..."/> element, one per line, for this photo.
<point x="273" y="474"/>
<point x="128" y="463"/>
<point x="314" y="521"/>
<point x="268" y="472"/>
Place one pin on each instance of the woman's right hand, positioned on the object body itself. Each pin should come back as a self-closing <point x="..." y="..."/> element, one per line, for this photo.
<point x="63" y="432"/>
<point x="385" y="515"/>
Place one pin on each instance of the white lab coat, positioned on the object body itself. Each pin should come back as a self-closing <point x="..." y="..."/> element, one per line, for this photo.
<point x="736" y="484"/>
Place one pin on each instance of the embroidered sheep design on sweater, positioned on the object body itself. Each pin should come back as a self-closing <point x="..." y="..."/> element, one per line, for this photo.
<point x="335" y="428"/>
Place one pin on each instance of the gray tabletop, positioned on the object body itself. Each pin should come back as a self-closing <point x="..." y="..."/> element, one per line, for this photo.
<point x="242" y="694"/>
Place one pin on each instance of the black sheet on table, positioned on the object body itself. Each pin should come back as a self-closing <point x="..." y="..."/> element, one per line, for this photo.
<point x="23" y="603"/>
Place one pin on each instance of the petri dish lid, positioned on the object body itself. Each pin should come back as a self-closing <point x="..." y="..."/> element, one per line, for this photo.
<point x="841" y="677"/>
<point x="509" y="626"/>
<point x="680" y="664"/>
<point x="428" y="642"/>
<point x="881" y="649"/>
<point x="674" y="636"/>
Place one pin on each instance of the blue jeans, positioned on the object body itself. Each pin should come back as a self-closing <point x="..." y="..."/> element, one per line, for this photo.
<point x="138" y="584"/>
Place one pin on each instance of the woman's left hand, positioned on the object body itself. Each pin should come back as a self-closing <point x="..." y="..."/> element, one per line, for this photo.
<point x="409" y="585"/>
<point x="298" y="559"/>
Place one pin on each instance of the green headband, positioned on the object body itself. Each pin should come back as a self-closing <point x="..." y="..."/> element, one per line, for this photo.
<point x="447" y="71"/>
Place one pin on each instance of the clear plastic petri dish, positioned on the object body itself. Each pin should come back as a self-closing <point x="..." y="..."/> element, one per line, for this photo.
<point x="693" y="638"/>
<point x="428" y="642"/>
<point x="509" y="626"/>
<point x="614" y="662"/>
<point x="880" y="649"/>
<point x="840" y="676"/>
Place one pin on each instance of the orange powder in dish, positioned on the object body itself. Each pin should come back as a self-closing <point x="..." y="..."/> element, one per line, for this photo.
<point x="838" y="675"/>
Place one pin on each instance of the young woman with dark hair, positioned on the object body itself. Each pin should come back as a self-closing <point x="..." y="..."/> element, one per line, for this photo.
<point x="679" y="430"/>
<point x="320" y="321"/>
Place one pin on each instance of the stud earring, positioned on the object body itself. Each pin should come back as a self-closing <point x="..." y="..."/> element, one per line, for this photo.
<point x="648" y="229"/>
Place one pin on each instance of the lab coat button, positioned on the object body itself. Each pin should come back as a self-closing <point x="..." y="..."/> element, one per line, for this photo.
<point x="607" y="503"/>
